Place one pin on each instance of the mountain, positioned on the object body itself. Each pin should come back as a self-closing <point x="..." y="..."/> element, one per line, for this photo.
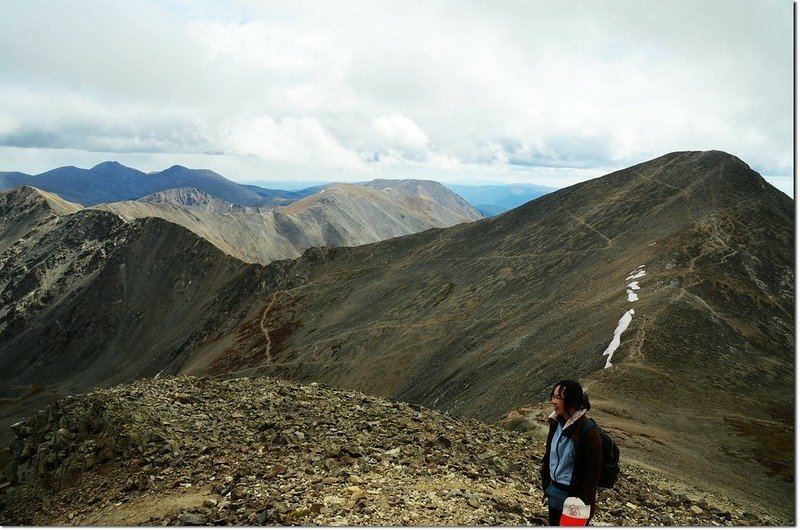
<point x="27" y="211"/>
<point x="429" y="191"/>
<point x="416" y="203"/>
<point x="494" y="199"/>
<point x="291" y="185"/>
<point x="475" y="320"/>
<point x="79" y="285"/>
<point x="339" y="215"/>
<point x="111" y="182"/>
<point x="199" y="451"/>
<point x="481" y="318"/>
<point x="191" y="199"/>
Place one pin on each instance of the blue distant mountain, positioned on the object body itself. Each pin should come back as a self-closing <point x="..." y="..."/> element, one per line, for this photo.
<point x="494" y="199"/>
<point x="112" y="182"/>
<point x="291" y="185"/>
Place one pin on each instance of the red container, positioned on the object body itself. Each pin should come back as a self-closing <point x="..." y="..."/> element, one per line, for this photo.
<point x="575" y="512"/>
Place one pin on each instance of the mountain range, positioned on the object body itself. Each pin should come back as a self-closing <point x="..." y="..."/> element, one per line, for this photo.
<point x="494" y="199"/>
<point x="680" y="270"/>
<point x="113" y="182"/>
<point x="338" y="215"/>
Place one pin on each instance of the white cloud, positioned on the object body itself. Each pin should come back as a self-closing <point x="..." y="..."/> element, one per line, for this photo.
<point x="293" y="140"/>
<point x="274" y="47"/>
<point x="401" y="130"/>
<point x="435" y="86"/>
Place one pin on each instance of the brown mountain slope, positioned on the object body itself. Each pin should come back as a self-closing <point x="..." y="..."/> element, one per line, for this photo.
<point x="484" y="317"/>
<point x="340" y="215"/>
<point x="428" y="190"/>
<point x="108" y="294"/>
<point x="95" y="301"/>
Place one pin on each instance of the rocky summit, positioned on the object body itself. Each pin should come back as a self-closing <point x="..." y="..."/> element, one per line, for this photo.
<point x="252" y="451"/>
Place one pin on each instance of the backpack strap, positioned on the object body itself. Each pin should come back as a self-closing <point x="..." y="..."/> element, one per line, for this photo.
<point x="586" y="426"/>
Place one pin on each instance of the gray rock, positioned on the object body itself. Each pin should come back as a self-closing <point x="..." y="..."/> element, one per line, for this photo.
<point x="193" y="519"/>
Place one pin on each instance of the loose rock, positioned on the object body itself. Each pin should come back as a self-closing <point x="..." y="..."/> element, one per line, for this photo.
<point x="272" y="452"/>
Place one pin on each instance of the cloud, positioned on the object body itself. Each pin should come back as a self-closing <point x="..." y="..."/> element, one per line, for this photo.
<point x="401" y="130"/>
<point x="362" y="88"/>
<point x="294" y="140"/>
<point x="65" y="120"/>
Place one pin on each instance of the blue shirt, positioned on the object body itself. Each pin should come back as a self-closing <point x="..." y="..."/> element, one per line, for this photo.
<point x="562" y="457"/>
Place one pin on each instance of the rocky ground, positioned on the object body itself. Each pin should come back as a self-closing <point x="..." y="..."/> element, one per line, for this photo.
<point x="206" y="451"/>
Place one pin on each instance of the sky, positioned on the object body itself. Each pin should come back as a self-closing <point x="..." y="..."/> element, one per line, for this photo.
<point x="542" y="92"/>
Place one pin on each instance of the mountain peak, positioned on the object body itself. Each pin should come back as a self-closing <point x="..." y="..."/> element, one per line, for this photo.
<point x="111" y="164"/>
<point x="25" y="195"/>
<point x="704" y="171"/>
<point x="429" y="190"/>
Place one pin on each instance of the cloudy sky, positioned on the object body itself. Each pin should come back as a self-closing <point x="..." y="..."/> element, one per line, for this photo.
<point x="547" y="92"/>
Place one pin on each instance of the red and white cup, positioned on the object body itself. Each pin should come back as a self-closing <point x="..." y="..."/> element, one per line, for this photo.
<point x="575" y="512"/>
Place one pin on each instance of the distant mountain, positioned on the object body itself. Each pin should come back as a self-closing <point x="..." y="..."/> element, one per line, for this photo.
<point x="112" y="182"/>
<point x="339" y="215"/>
<point x="290" y="185"/>
<point x="494" y="199"/>
<point x="192" y="199"/>
<point x="429" y="190"/>
<point x="692" y="251"/>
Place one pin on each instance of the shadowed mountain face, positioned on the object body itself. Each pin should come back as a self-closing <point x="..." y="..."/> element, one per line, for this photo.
<point x="96" y="301"/>
<point x="26" y="212"/>
<point x="108" y="294"/>
<point x="476" y="319"/>
<point x="483" y="317"/>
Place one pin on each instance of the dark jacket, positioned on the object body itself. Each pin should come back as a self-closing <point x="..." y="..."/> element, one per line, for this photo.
<point x="588" y="461"/>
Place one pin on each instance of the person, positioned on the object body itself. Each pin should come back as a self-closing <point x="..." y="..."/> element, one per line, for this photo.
<point x="571" y="463"/>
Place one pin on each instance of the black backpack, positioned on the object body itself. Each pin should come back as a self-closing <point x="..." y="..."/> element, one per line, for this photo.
<point x="610" y="469"/>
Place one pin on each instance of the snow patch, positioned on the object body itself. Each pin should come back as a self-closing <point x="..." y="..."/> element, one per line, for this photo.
<point x="622" y="325"/>
<point x="638" y="273"/>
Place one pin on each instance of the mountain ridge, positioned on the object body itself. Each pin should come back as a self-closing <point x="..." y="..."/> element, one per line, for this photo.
<point x="111" y="181"/>
<point x="339" y="215"/>
<point x="459" y="310"/>
<point x="481" y="318"/>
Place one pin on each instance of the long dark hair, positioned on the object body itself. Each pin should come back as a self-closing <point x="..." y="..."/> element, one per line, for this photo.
<point x="573" y="394"/>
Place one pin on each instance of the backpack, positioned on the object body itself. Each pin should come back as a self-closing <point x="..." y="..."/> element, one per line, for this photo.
<point x="610" y="468"/>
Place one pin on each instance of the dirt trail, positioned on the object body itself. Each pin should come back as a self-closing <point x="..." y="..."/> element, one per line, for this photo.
<point x="139" y="510"/>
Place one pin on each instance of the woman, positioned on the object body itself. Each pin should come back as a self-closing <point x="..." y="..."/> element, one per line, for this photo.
<point x="572" y="461"/>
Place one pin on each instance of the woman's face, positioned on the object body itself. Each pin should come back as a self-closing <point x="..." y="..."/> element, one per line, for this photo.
<point x="557" y="399"/>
